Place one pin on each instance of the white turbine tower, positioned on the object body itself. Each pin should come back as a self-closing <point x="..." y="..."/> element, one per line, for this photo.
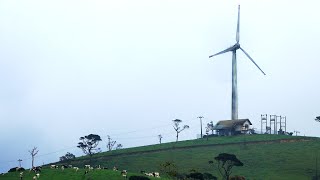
<point x="233" y="49"/>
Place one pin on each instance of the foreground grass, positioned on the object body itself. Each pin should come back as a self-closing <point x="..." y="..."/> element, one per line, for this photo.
<point x="70" y="174"/>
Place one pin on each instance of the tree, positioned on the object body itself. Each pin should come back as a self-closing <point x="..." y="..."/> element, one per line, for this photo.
<point x="177" y="128"/>
<point x="33" y="152"/>
<point x="110" y="144"/>
<point x="317" y="119"/>
<point x="225" y="163"/>
<point x="119" y="146"/>
<point x="68" y="157"/>
<point x="210" y="127"/>
<point x="160" y="137"/>
<point x="89" y="143"/>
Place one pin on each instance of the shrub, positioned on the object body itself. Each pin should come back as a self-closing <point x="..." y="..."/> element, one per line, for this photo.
<point x="138" y="178"/>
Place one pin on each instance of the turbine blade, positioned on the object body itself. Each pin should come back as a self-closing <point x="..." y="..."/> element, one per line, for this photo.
<point x="238" y="25"/>
<point x="252" y="60"/>
<point x="224" y="51"/>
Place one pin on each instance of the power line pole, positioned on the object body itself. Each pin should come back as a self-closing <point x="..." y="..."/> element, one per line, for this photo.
<point x="19" y="162"/>
<point x="200" y="117"/>
<point x="317" y="166"/>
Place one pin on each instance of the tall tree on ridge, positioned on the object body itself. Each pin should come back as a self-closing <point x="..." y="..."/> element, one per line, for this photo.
<point x="177" y="128"/>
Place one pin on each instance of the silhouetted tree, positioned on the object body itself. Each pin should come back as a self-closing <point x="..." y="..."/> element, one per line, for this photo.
<point x="317" y="119"/>
<point x="225" y="164"/>
<point x="210" y="127"/>
<point x="89" y="143"/>
<point x="110" y="144"/>
<point x="177" y="128"/>
<point x="119" y="146"/>
<point x="160" y="137"/>
<point x="68" y="157"/>
<point x="33" y="152"/>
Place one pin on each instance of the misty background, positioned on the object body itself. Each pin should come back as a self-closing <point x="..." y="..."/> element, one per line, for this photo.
<point x="127" y="69"/>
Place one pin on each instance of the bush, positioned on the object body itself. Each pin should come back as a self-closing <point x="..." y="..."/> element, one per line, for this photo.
<point x="138" y="178"/>
<point x="195" y="176"/>
<point x="208" y="176"/>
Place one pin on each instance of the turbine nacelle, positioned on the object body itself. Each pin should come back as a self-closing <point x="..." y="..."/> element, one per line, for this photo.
<point x="236" y="47"/>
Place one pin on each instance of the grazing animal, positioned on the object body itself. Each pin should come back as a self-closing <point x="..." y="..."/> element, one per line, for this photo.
<point x="62" y="168"/>
<point x="76" y="168"/>
<point x="124" y="173"/>
<point x="115" y="168"/>
<point x="156" y="174"/>
<point x="21" y="175"/>
<point x="38" y="175"/>
<point x="86" y="166"/>
<point x="86" y="172"/>
<point x="34" y="178"/>
<point x="53" y="166"/>
<point x="36" y="169"/>
<point x="70" y="166"/>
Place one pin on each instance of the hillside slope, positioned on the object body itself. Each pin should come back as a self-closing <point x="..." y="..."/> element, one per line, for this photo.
<point x="264" y="156"/>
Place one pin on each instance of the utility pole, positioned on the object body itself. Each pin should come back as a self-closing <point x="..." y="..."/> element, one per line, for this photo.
<point x="317" y="166"/>
<point x="19" y="162"/>
<point x="200" y="117"/>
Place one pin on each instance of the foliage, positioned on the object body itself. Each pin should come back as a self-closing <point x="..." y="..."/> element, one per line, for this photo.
<point x="119" y="146"/>
<point x="225" y="164"/>
<point x="169" y="169"/>
<point x="67" y="157"/>
<point x="210" y="127"/>
<point x="89" y="143"/>
<point x="110" y="143"/>
<point x="138" y="178"/>
<point x="177" y="128"/>
<point x="14" y="169"/>
<point x="317" y="118"/>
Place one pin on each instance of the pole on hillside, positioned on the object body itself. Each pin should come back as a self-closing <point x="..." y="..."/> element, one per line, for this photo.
<point x="317" y="166"/>
<point x="19" y="162"/>
<point x="200" y="117"/>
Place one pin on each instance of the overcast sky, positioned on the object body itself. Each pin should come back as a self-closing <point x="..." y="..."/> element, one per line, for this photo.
<point x="128" y="68"/>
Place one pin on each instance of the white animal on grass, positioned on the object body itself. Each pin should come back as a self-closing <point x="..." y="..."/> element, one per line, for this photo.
<point x="38" y="175"/>
<point x="76" y="168"/>
<point x="124" y="173"/>
<point x="86" y="166"/>
<point x="156" y="174"/>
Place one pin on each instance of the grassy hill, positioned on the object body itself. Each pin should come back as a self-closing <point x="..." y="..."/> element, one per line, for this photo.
<point x="264" y="156"/>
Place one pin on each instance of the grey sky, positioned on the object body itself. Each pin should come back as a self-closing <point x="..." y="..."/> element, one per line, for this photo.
<point x="71" y="68"/>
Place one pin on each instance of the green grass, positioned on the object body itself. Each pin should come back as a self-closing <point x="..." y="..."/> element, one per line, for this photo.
<point x="265" y="157"/>
<point x="70" y="174"/>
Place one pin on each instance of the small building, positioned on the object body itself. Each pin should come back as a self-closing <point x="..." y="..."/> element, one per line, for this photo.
<point x="232" y="127"/>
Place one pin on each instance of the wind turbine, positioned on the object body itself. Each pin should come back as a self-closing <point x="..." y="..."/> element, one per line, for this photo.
<point x="233" y="49"/>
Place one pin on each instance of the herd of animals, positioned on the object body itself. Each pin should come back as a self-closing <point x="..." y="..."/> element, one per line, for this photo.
<point x="88" y="168"/>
